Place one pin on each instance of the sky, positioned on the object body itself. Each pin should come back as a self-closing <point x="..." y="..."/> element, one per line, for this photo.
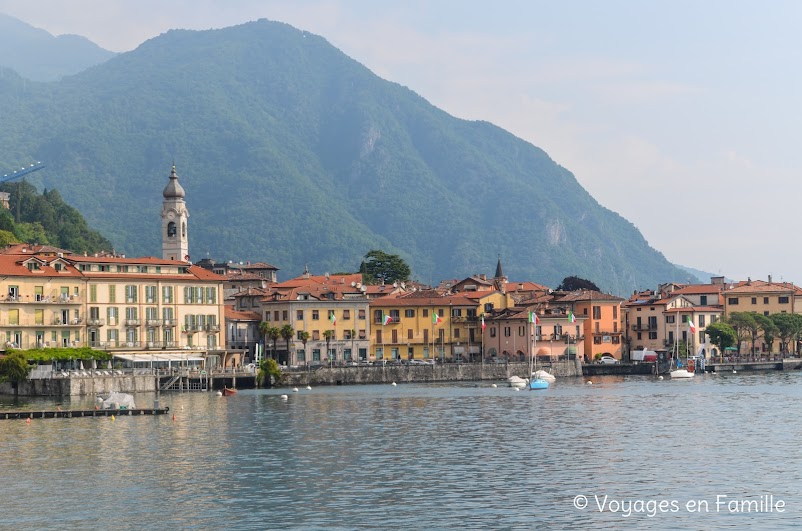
<point x="680" y="116"/>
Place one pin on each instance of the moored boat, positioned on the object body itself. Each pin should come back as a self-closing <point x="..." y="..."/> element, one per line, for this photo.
<point x="227" y="391"/>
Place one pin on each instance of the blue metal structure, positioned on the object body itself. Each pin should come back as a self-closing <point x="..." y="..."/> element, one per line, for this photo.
<point x="21" y="172"/>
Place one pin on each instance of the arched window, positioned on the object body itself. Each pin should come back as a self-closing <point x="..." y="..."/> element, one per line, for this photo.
<point x="184" y="230"/>
<point x="171" y="228"/>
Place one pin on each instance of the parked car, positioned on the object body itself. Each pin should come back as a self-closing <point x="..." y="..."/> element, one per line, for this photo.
<point x="607" y="359"/>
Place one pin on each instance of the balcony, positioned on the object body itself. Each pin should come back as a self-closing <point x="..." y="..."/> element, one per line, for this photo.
<point x="213" y="328"/>
<point x="643" y="327"/>
<point x="153" y="322"/>
<point x="169" y="322"/>
<point x="133" y="322"/>
<point x="95" y="322"/>
<point x="58" y="321"/>
<point x="606" y="333"/>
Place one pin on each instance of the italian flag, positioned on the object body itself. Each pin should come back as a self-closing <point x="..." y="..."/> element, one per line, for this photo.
<point x="483" y="322"/>
<point x="333" y="319"/>
<point x="691" y="325"/>
<point x="571" y="316"/>
<point x="533" y="318"/>
<point x="436" y="319"/>
<point x="386" y="319"/>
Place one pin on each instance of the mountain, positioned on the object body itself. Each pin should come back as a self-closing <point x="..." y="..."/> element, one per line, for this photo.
<point x="704" y="276"/>
<point x="39" y="56"/>
<point x="293" y="153"/>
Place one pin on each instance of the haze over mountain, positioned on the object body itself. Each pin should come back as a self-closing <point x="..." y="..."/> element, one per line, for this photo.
<point x="293" y="153"/>
<point x="37" y="55"/>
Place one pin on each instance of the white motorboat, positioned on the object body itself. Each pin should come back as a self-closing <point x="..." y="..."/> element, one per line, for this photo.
<point x="544" y="375"/>
<point x="517" y="381"/>
<point x="681" y="373"/>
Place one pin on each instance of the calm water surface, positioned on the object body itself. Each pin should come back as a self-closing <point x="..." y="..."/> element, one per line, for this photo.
<point x="419" y="457"/>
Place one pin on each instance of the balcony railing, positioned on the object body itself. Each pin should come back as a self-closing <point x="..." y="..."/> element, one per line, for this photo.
<point x="133" y="322"/>
<point x="153" y="322"/>
<point x="169" y="322"/>
<point x="212" y="327"/>
<point x="95" y="322"/>
<point x="607" y="333"/>
<point x="643" y="327"/>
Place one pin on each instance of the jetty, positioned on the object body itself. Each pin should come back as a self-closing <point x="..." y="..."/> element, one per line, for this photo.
<point x="80" y="413"/>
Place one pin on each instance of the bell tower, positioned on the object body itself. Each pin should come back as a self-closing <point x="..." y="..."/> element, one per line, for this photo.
<point x="175" y="243"/>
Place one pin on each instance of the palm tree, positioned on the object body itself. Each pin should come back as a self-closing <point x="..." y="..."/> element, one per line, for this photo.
<point x="286" y="334"/>
<point x="328" y="334"/>
<point x="273" y="333"/>
<point x="304" y="337"/>
<point x="264" y="328"/>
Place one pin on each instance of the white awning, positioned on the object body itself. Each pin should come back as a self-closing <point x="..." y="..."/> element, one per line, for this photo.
<point x="162" y="356"/>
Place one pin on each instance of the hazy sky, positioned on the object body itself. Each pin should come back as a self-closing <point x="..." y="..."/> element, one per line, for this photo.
<point x="680" y="116"/>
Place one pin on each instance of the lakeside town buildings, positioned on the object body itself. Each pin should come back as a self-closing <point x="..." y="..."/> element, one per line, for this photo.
<point x="135" y="307"/>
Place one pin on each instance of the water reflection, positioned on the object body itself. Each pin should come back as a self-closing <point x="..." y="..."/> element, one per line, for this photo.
<point x="430" y="456"/>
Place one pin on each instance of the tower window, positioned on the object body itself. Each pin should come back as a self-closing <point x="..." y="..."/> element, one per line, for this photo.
<point x="171" y="229"/>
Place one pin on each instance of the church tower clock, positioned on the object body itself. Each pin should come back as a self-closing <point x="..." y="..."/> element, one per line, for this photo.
<point x="175" y="243"/>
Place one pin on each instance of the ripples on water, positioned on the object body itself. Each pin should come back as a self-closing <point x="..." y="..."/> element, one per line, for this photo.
<point x="430" y="456"/>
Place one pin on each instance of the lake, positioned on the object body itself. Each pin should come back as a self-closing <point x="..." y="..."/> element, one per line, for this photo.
<point x="624" y="452"/>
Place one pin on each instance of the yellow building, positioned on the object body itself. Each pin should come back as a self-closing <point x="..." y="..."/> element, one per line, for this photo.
<point x="762" y="297"/>
<point x="53" y="298"/>
<point x="427" y="325"/>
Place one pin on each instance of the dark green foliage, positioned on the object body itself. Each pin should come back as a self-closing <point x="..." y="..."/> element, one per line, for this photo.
<point x="379" y="266"/>
<point x="46" y="219"/>
<point x="293" y="153"/>
<point x="576" y="283"/>
<point x="64" y="354"/>
<point x="14" y="368"/>
<point x="722" y="335"/>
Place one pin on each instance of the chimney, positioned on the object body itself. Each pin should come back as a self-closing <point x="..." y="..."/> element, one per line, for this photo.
<point x="769" y="279"/>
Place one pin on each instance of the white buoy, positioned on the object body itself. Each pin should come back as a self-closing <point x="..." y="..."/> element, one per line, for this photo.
<point x="393" y="384"/>
<point x="294" y="389"/>
<point x="494" y="385"/>
<point x="308" y="387"/>
<point x="516" y="388"/>
<point x="734" y="371"/>
<point x="589" y="382"/>
<point x="284" y="397"/>
<point x="219" y="393"/>
<point x="659" y="377"/>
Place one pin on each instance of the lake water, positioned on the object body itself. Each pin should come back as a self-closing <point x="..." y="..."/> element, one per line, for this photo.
<point x="421" y="456"/>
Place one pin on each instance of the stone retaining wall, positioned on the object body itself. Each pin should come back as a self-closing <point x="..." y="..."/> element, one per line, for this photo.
<point x="448" y="372"/>
<point x="83" y="386"/>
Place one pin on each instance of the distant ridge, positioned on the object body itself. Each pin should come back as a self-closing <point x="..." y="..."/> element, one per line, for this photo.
<point x="37" y="55"/>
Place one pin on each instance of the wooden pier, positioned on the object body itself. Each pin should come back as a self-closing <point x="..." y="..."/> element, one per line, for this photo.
<point x="80" y="413"/>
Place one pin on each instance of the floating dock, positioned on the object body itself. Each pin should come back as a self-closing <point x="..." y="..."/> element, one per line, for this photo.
<point x="79" y="413"/>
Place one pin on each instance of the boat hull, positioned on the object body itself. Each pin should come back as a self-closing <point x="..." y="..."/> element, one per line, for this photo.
<point x="681" y="373"/>
<point x="538" y="384"/>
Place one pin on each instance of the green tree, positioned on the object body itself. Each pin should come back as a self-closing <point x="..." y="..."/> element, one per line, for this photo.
<point x="745" y="327"/>
<point x="14" y="368"/>
<point x="286" y="334"/>
<point x="768" y="329"/>
<point x="379" y="266"/>
<point x="328" y="335"/>
<point x="574" y="283"/>
<point x="271" y="333"/>
<point x="304" y="337"/>
<point x="269" y="372"/>
<point x="788" y="326"/>
<point x="722" y="335"/>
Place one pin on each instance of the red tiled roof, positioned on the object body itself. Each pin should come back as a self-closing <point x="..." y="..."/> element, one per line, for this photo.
<point x="699" y="289"/>
<point x="235" y="315"/>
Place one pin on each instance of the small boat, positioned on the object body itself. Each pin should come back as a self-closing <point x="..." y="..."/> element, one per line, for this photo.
<point x="228" y="391"/>
<point x="681" y="373"/>
<point x="538" y="384"/>
<point x="544" y="375"/>
<point x="516" y="381"/>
